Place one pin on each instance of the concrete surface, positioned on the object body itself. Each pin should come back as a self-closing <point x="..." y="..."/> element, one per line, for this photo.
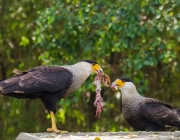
<point x="141" y="135"/>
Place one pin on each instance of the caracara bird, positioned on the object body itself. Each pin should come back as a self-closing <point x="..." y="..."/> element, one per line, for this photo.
<point x="142" y="113"/>
<point x="49" y="83"/>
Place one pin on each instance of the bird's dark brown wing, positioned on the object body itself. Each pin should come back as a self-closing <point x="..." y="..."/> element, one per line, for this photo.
<point x="160" y="113"/>
<point x="43" y="78"/>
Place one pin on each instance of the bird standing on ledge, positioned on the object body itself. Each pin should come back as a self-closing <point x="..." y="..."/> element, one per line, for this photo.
<point x="142" y="113"/>
<point x="49" y="83"/>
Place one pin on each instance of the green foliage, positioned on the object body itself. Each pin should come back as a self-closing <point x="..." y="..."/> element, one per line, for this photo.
<point x="130" y="37"/>
<point x="139" y="39"/>
<point x="17" y="23"/>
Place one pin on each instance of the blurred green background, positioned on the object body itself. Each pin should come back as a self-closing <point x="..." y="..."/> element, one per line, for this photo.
<point x="135" y="38"/>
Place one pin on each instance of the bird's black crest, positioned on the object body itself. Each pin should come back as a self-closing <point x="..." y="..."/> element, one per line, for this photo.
<point x="126" y="79"/>
<point x="90" y="61"/>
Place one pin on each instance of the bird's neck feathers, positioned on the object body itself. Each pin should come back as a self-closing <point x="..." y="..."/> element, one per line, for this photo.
<point x="129" y="91"/>
<point x="83" y="68"/>
<point x="80" y="70"/>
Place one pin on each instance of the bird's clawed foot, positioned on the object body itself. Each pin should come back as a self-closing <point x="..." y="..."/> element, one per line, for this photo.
<point x="55" y="130"/>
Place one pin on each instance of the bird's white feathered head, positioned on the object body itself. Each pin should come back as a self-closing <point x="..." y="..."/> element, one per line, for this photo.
<point x="124" y="84"/>
<point x="93" y="66"/>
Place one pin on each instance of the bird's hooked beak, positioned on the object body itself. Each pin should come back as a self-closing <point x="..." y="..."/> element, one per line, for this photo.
<point x="117" y="84"/>
<point x="97" y="69"/>
<point x="114" y="86"/>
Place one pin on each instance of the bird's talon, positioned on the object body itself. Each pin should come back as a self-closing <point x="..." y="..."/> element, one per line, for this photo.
<point x="61" y="132"/>
<point x="49" y="130"/>
<point x="57" y="131"/>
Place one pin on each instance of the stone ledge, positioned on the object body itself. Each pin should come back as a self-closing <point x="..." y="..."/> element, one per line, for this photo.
<point x="141" y="135"/>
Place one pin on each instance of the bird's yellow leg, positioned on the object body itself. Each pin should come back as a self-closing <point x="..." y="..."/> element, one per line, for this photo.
<point x="54" y="127"/>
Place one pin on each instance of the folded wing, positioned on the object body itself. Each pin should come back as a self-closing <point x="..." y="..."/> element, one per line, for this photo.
<point x="43" y="78"/>
<point x="161" y="113"/>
